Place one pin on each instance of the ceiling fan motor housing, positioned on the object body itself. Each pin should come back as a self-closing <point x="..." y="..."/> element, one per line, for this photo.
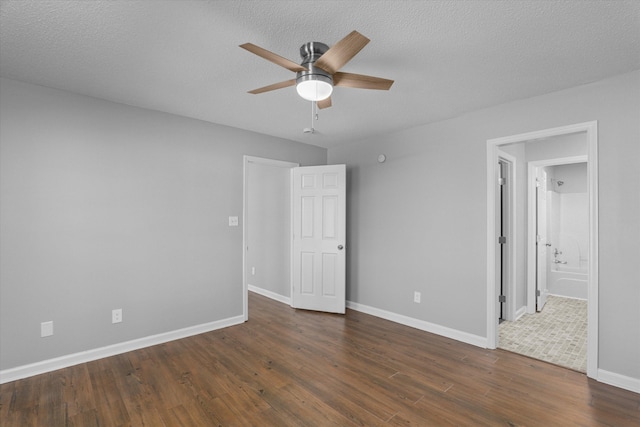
<point x="310" y="52"/>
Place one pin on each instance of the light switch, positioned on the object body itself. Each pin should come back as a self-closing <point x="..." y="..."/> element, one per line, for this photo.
<point x="233" y="221"/>
<point x="46" y="329"/>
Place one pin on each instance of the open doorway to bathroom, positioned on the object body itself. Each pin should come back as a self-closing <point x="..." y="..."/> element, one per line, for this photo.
<point x="554" y="286"/>
<point x="554" y="327"/>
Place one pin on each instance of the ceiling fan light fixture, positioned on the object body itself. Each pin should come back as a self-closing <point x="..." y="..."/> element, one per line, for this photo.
<point x="314" y="87"/>
<point x="315" y="82"/>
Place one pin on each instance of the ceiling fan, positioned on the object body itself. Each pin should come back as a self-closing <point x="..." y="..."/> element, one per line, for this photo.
<point x="318" y="72"/>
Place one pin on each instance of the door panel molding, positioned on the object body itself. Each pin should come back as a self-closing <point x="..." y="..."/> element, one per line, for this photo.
<point x="319" y="233"/>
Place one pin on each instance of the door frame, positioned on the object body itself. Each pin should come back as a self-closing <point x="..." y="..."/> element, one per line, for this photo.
<point x="245" y="217"/>
<point x="510" y="234"/>
<point x="531" y="220"/>
<point x="540" y="262"/>
<point x="591" y="129"/>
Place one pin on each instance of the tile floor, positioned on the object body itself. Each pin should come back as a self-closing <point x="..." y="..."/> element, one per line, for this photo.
<point x="557" y="335"/>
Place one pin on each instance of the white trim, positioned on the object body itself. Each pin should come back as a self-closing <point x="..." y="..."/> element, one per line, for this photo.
<point x="560" y="161"/>
<point x="591" y="129"/>
<point x="245" y="215"/>
<point x="65" y="361"/>
<point x="531" y="238"/>
<point x="291" y="234"/>
<point x="492" y="328"/>
<point x="511" y="234"/>
<point x="272" y="295"/>
<point x="617" y="380"/>
<point x="564" y="296"/>
<point x="532" y="215"/>
<point x="454" y="334"/>
<point x="545" y="133"/>
<point x="521" y="312"/>
<point x="594" y="263"/>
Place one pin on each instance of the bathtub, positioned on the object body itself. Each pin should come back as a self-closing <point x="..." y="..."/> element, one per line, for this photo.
<point x="567" y="282"/>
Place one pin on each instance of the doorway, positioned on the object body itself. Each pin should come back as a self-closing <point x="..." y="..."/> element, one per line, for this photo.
<point x="506" y="237"/>
<point x="589" y="131"/>
<point x="554" y="328"/>
<point x="266" y="229"/>
<point x="294" y="228"/>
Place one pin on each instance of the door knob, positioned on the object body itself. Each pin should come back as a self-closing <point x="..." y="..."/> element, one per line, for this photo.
<point x="340" y="247"/>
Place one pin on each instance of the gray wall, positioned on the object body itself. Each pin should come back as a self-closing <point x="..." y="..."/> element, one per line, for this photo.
<point x="571" y="145"/>
<point x="108" y="206"/>
<point x="573" y="176"/>
<point x="418" y="221"/>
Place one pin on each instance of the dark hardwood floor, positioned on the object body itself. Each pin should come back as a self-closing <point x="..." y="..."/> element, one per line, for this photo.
<point x="288" y="367"/>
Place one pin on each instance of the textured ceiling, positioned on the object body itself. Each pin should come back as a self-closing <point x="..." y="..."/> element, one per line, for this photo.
<point x="446" y="57"/>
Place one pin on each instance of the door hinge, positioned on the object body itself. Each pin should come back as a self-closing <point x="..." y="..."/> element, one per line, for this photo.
<point x="502" y="240"/>
<point x="502" y="298"/>
<point x="538" y="292"/>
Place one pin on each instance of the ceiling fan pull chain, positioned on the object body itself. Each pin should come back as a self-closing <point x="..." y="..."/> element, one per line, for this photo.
<point x="313" y="112"/>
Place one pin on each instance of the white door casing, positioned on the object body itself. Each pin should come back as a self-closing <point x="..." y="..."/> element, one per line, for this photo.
<point x="542" y="241"/>
<point x="509" y="258"/>
<point x="319" y="253"/>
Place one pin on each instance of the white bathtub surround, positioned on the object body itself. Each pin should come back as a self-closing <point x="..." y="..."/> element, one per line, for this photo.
<point x="568" y="218"/>
<point x="572" y="237"/>
<point x="567" y="282"/>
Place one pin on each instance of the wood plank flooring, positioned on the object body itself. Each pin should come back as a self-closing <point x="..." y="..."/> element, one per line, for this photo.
<point x="289" y="367"/>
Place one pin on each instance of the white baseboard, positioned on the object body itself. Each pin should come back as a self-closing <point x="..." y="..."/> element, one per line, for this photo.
<point x="44" y="366"/>
<point x="420" y="324"/>
<point x="611" y="378"/>
<point x="521" y="312"/>
<point x="617" y="380"/>
<point x="269" y="294"/>
<point x="565" y="296"/>
<point x="25" y="371"/>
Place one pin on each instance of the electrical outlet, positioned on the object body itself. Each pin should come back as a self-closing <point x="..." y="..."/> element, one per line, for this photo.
<point x="46" y="329"/>
<point x="233" y="221"/>
<point x="253" y="271"/>
<point x="416" y="296"/>
<point x="116" y="315"/>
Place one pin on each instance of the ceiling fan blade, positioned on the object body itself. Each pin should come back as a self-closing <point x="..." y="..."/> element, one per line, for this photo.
<point x="274" y="86"/>
<point x="360" y="81"/>
<point x="342" y="52"/>
<point x="270" y="56"/>
<point x="325" y="103"/>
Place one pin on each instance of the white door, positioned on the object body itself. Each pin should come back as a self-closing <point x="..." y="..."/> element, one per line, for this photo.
<point x="542" y="239"/>
<point x="318" y="256"/>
